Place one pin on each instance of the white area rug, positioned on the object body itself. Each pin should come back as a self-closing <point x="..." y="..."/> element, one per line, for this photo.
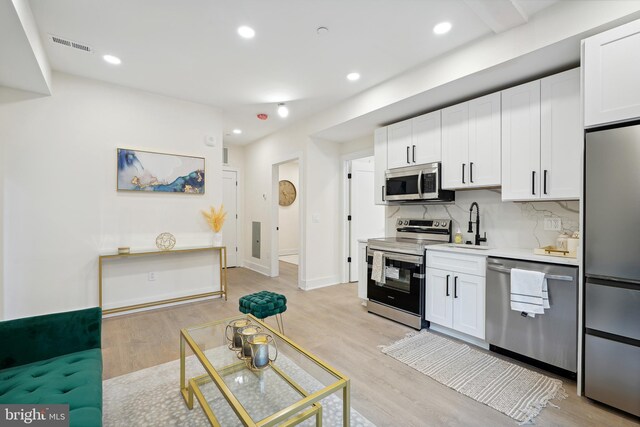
<point x="151" y="397"/>
<point x="511" y="389"/>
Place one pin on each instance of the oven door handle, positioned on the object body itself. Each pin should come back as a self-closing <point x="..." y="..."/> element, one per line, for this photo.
<point x="414" y="259"/>
<point x="420" y="185"/>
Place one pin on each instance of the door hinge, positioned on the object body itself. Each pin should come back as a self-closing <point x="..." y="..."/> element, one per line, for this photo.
<point x="236" y="216"/>
<point x="236" y="249"/>
<point x="348" y="217"/>
<point x="236" y="183"/>
<point x="349" y="176"/>
<point x="348" y="259"/>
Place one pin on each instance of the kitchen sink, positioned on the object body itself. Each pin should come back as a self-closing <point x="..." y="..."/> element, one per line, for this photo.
<point x="463" y="246"/>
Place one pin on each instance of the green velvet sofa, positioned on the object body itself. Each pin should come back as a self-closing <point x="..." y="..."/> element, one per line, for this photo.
<point x="52" y="359"/>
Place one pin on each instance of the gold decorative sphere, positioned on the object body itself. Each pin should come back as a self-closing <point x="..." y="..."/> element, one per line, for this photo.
<point x="165" y="241"/>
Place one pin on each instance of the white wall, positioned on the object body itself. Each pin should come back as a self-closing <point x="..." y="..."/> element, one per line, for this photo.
<point x="508" y="224"/>
<point x="289" y="216"/>
<point x="61" y="206"/>
<point x="235" y="161"/>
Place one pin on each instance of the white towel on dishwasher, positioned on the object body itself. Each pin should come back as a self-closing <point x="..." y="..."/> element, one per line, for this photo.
<point x="529" y="293"/>
<point x="377" y="268"/>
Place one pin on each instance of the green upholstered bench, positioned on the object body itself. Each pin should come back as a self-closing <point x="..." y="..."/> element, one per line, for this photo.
<point x="264" y="304"/>
<point x="54" y="359"/>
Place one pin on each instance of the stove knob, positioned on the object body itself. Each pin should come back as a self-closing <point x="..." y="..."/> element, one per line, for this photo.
<point x="406" y="223"/>
<point x="444" y="224"/>
<point x="399" y="222"/>
<point x="435" y="224"/>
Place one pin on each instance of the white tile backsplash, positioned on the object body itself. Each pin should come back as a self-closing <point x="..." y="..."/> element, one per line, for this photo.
<point x="508" y="224"/>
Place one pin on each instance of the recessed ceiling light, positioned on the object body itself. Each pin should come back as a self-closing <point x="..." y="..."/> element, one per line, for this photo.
<point x="237" y="131"/>
<point x="246" y="32"/>
<point x="283" y="111"/>
<point x="442" y="28"/>
<point x="112" y="59"/>
<point x="353" y="76"/>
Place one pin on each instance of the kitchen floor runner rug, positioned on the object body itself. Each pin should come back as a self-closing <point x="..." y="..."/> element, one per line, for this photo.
<point x="511" y="389"/>
<point x="151" y="397"/>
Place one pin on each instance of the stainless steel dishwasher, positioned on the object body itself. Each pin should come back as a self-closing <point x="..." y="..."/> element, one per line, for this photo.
<point x="552" y="337"/>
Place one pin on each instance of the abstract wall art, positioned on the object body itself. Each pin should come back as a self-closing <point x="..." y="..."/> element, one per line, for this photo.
<point x="166" y="173"/>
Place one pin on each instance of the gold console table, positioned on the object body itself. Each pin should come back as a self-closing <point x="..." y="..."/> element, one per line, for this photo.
<point x="222" y="250"/>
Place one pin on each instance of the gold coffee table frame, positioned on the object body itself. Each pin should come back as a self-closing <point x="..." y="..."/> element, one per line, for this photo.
<point x="223" y="276"/>
<point x="307" y="407"/>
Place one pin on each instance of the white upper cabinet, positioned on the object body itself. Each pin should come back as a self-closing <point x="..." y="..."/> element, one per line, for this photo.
<point x="380" y="164"/>
<point x="471" y="143"/>
<point x="542" y="139"/>
<point x="485" y="141"/>
<point x="561" y="136"/>
<point x="426" y="140"/>
<point x="611" y="70"/>
<point x="399" y="145"/>
<point x="521" y="142"/>
<point x="455" y="146"/>
<point x="415" y="141"/>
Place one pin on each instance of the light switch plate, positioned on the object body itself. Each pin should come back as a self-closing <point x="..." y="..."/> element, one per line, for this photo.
<point x="553" y="224"/>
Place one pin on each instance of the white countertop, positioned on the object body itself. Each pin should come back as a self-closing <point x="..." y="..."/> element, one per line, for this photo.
<point x="365" y="240"/>
<point x="515" y="253"/>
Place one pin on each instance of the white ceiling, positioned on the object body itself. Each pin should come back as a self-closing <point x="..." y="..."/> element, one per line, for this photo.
<point x="190" y="49"/>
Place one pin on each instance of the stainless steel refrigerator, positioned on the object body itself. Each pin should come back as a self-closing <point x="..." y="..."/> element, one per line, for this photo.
<point x="612" y="267"/>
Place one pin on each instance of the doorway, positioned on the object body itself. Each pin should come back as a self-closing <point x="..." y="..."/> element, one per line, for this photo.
<point x="287" y="253"/>
<point x="230" y="201"/>
<point x="366" y="218"/>
<point x="289" y="212"/>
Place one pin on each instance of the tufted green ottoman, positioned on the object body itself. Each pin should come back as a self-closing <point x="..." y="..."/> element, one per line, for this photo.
<point x="264" y="304"/>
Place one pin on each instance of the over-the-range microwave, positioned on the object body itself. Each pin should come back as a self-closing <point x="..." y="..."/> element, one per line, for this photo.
<point x="416" y="184"/>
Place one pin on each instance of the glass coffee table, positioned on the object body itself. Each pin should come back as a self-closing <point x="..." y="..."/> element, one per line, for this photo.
<point x="295" y="388"/>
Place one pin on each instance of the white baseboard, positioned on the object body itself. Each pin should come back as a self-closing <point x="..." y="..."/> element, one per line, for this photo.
<point x="320" y="282"/>
<point x="284" y="252"/>
<point x="156" y="307"/>
<point x="257" y="268"/>
<point x="461" y="336"/>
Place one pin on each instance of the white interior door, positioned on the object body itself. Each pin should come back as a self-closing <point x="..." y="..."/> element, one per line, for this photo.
<point x="230" y="229"/>
<point x="367" y="218"/>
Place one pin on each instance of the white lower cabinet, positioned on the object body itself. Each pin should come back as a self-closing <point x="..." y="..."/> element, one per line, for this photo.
<point x="453" y="299"/>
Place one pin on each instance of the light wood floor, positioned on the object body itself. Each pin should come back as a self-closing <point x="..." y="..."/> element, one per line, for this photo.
<point x="332" y="323"/>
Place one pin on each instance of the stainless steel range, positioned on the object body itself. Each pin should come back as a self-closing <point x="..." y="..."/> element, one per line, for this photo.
<point x="400" y="294"/>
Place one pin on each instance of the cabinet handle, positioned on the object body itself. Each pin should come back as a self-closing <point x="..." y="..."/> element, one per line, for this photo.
<point x="463" y="173"/>
<point x="414" y="154"/>
<point x="545" y="181"/>
<point x="408" y="154"/>
<point x="447" y="292"/>
<point x="455" y="286"/>
<point x="471" y="172"/>
<point x="533" y="182"/>
<point x="383" y="193"/>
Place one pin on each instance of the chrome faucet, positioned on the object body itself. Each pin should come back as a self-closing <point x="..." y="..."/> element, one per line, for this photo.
<point x="477" y="236"/>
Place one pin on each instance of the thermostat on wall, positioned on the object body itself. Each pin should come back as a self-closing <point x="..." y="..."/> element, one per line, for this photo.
<point x="210" y="141"/>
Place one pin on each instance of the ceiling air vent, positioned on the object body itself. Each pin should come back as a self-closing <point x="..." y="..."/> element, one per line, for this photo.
<point x="70" y="43"/>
